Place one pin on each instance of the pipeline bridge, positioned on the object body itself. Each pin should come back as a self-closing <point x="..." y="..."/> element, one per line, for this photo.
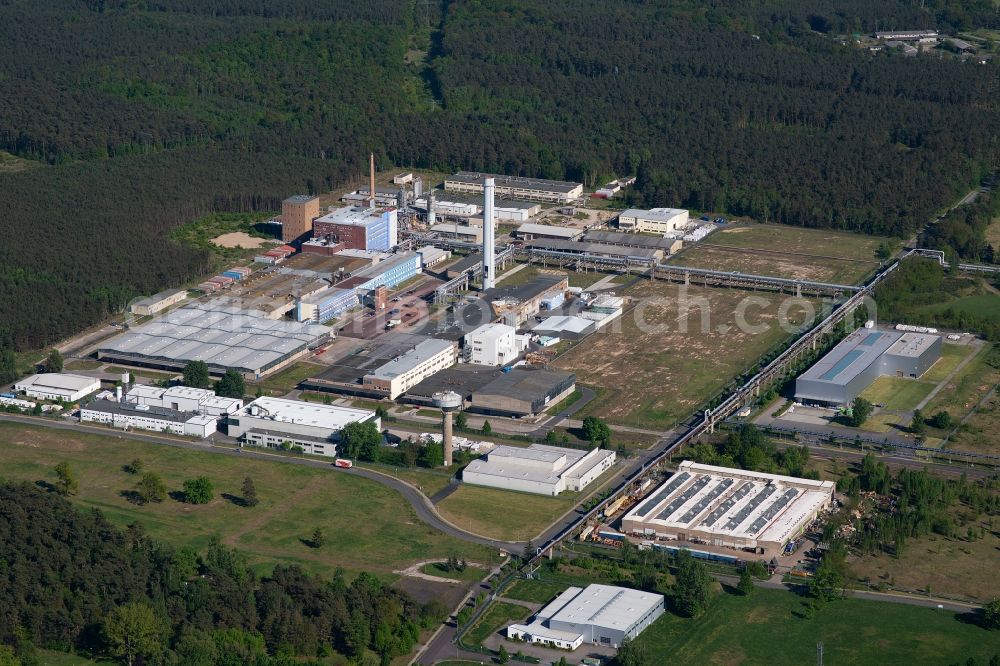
<point x="710" y="418"/>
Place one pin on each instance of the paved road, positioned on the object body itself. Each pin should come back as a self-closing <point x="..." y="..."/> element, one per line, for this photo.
<point x="421" y="505"/>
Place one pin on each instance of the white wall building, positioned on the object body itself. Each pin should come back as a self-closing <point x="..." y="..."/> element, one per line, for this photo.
<point x="185" y="399"/>
<point x="598" y="615"/>
<point x="730" y="508"/>
<point x="517" y="187"/>
<point x="654" y="220"/>
<point x="541" y="469"/>
<point x="274" y="422"/>
<point x="406" y="371"/>
<point x="431" y="256"/>
<point x="157" y="419"/>
<point x="157" y="302"/>
<point x="58" y="386"/>
<point x="494" y="344"/>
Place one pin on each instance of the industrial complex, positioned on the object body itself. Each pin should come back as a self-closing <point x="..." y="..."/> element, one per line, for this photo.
<point x="851" y="366"/>
<point x="57" y="386"/>
<point x="729" y="508"/>
<point x="596" y="615"/>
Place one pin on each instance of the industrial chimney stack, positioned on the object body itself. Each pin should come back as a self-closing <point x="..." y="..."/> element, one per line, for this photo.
<point x="371" y="181"/>
<point x="489" y="231"/>
<point x="431" y="216"/>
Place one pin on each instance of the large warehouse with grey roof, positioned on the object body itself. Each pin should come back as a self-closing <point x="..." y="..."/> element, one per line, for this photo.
<point x="850" y="367"/>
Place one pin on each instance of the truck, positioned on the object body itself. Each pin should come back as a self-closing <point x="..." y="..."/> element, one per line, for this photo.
<point x="343" y="463"/>
<point x="393" y="323"/>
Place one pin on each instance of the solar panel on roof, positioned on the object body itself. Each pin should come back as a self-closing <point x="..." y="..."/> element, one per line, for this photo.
<point x="703" y="503"/>
<point x="671" y="486"/>
<point x="692" y="490"/>
<point x="730" y="502"/>
<point x="841" y="365"/>
<point x="751" y="506"/>
<point x="772" y="511"/>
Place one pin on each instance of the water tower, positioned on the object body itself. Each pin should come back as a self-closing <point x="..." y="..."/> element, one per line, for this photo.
<point x="448" y="402"/>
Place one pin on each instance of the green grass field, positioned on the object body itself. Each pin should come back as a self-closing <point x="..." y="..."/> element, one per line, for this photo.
<point x="951" y="357"/>
<point x="535" y="591"/>
<point x="807" y="254"/>
<point x="767" y="628"/>
<point x="287" y="379"/>
<point x="965" y="390"/>
<point x="367" y="526"/>
<point x="503" y="514"/>
<point x="665" y="358"/>
<point x="897" y="393"/>
<point x="497" y="616"/>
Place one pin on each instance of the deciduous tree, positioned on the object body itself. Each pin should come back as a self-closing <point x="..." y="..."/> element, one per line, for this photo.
<point x="134" y="631"/>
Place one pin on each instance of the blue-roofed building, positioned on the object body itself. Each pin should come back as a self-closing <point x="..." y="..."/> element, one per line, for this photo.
<point x="850" y="367"/>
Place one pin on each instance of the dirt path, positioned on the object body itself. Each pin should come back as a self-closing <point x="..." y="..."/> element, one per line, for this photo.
<point x="261" y="518"/>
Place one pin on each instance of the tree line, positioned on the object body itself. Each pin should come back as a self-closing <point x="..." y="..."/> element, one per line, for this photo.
<point x="70" y="580"/>
<point x="159" y="112"/>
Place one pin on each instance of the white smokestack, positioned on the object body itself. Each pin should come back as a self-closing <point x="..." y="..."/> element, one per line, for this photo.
<point x="489" y="242"/>
<point x="431" y="217"/>
<point x="118" y="394"/>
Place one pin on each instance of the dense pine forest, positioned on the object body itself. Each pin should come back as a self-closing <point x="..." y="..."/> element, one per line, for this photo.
<point x="135" y="116"/>
<point x="69" y="580"/>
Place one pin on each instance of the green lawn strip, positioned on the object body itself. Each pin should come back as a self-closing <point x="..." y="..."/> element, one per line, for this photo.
<point x="535" y="591"/>
<point x="504" y="514"/>
<point x="769" y="628"/>
<point x="951" y="357"/>
<point x="368" y="526"/>
<point x="897" y="393"/>
<point x="287" y="379"/>
<point x="497" y="616"/>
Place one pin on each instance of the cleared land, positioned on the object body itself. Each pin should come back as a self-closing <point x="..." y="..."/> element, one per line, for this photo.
<point x="768" y="628"/>
<point x="239" y="239"/>
<point x="503" y="514"/>
<point x="982" y="431"/>
<point x="793" y="252"/>
<point x="287" y="379"/>
<point x="950" y="566"/>
<point x="667" y="357"/>
<point x="368" y="526"/>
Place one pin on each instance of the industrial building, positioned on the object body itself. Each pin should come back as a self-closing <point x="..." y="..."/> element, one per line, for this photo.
<point x="523" y="391"/>
<point x="540" y="469"/>
<point x="584" y="248"/>
<point x="325" y="305"/>
<point x="406" y="371"/>
<point x="731" y="508"/>
<point x="184" y="399"/>
<point x="464" y="207"/>
<point x="157" y="302"/>
<point x="515" y="304"/>
<point x="667" y="245"/>
<point x="223" y="336"/>
<point x="331" y="302"/>
<point x="57" y="386"/>
<point x="908" y="35"/>
<point x="359" y="228"/>
<point x="532" y="189"/>
<point x="597" y="615"/>
<point x="568" y="327"/>
<point x="144" y="417"/>
<point x="461" y="232"/>
<point x="297" y="215"/>
<point x="431" y="256"/>
<point x="654" y="220"/>
<point x="277" y="423"/>
<point x="384" y="196"/>
<point x="850" y="367"/>
<point x="530" y="232"/>
<point x="465" y="264"/>
<point x="493" y="344"/>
